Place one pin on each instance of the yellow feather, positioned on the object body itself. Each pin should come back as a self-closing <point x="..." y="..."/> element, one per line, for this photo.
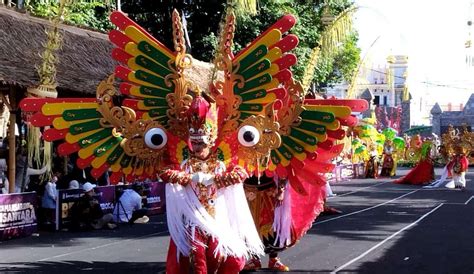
<point x="116" y="167"/>
<point x="283" y="161"/>
<point x="269" y="39"/>
<point x="139" y="170"/>
<point x="72" y="139"/>
<point x="271" y="166"/>
<point x="273" y="84"/>
<point x="306" y="147"/>
<point x="298" y="155"/>
<point x="270" y="97"/>
<point x="137" y="36"/>
<point x="59" y="108"/>
<point x="60" y="123"/>
<point x="338" y="111"/>
<point x="99" y="161"/>
<point x="127" y="170"/>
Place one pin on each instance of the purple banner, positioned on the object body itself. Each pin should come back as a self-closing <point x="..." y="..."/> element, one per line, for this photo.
<point x="18" y="215"/>
<point x="104" y="194"/>
<point x="155" y="198"/>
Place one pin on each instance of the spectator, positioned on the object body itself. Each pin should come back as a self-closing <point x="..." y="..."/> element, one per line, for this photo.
<point x="4" y="184"/>
<point x="86" y="212"/>
<point x="129" y="207"/>
<point x="74" y="184"/>
<point x="49" y="199"/>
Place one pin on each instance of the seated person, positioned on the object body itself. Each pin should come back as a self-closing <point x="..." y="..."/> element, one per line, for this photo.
<point x="86" y="212"/>
<point x="129" y="208"/>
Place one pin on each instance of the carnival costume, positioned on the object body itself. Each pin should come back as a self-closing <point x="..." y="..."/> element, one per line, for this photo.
<point x="453" y="150"/>
<point x="388" y="163"/>
<point x="423" y="172"/>
<point x="372" y="165"/>
<point x="203" y="144"/>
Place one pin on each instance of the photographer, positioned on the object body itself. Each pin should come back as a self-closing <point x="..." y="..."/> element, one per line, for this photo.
<point x="129" y="207"/>
<point x="87" y="213"/>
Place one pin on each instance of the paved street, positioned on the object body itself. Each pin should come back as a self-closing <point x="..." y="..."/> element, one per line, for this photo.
<point x="384" y="228"/>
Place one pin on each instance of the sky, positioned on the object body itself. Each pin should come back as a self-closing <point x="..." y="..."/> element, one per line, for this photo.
<point x="431" y="32"/>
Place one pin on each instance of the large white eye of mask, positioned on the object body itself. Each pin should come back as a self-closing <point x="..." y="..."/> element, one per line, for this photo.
<point x="155" y="138"/>
<point x="248" y="136"/>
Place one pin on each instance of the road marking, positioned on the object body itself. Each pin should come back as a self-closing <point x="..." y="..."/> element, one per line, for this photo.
<point x="101" y="246"/>
<point x="365" y="209"/>
<point x="465" y="203"/>
<point x="357" y="190"/>
<point x="385" y="240"/>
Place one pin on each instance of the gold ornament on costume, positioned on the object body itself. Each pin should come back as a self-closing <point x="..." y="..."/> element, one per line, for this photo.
<point x="268" y="138"/>
<point x="180" y="100"/>
<point x="226" y="98"/>
<point x="124" y="122"/>
<point x="289" y="115"/>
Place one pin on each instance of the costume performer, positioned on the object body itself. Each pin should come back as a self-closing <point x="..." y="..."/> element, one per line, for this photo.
<point x="291" y="192"/>
<point x="371" y="165"/>
<point x="423" y="172"/>
<point x="246" y="122"/>
<point x="388" y="164"/>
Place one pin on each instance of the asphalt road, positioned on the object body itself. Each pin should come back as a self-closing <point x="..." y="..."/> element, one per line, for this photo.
<point x="384" y="228"/>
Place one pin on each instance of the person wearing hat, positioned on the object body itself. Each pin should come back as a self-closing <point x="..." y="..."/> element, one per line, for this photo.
<point x="87" y="213"/>
<point x="74" y="184"/>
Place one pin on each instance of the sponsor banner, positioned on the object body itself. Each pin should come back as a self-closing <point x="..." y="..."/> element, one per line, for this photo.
<point x="67" y="197"/>
<point x="18" y="215"/>
<point x="107" y="197"/>
<point x="155" y="198"/>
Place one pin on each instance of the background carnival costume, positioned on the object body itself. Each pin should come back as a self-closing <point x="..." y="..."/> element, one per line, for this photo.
<point x="423" y="172"/>
<point x="454" y="148"/>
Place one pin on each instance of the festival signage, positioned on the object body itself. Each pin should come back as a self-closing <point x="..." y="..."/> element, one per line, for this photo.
<point x="155" y="202"/>
<point x="18" y="215"/>
<point x="105" y="195"/>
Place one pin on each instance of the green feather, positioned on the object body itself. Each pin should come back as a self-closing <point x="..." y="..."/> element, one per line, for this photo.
<point x="155" y="54"/>
<point x="85" y="126"/>
<point x="102" y="149"/>
<point x="256" y="69"/>
<point x="256" y="82"/>
<point x="306" y="138"/>
<point x="94" y="138"/>
<point x="81" y="114"/>
<point x="152" y="79"/>
<point x="322" y="116"/>
<point x="115" y="155"/>
<point x="253" y="57"/>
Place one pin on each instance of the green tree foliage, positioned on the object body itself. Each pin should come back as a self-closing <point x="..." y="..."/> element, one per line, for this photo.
<point x="90" y="14"/>
<point x="203" y="19"/>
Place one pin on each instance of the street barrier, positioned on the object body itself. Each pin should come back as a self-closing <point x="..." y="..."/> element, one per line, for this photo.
<point x="18" y="215"/>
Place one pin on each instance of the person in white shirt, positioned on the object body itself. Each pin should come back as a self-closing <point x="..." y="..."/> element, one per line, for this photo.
<point x="129" y="208"/>
<point x="49" y="199"/>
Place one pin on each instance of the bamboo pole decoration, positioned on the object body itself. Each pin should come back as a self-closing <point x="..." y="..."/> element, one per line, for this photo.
<point x="336" y="33"/>
<point x="46" y="89"/>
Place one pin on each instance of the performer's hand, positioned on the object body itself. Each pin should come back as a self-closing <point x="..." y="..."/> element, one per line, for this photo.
<point x="208" y="179"/>
<point x="198" y="177"/>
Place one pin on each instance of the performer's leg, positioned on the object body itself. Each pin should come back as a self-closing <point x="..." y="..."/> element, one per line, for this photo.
<point x="218" y="264"/>
<point x="275" y="263"/>
<point x="173" y="266"/>
<point x="199" y="258"/>
<point x="232" y="265"/>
